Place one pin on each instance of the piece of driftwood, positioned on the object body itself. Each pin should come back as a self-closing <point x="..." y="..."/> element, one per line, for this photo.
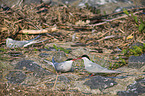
<point x="38" y="31"/>
<point x="34" y="31"/>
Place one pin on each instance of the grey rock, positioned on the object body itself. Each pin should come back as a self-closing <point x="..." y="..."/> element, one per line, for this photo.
<point x="136" y="44"/>
<point x="32" y="1"/>
<point x="99" y="82"/>
<point x="47" y="1"/>
<point x="104" y="5"/>
<point x="136" y="61"/>
<point x="11" y="3"/>
<point x="16" y="77"/>
<point x="138" y="87"/>
<point x="63" y="79"/>
<point x="59" y="56"/>
<point x="118" y="9"/>
<point x="32" y="66"/>
<point x="134" y="89"/>
<point x="15" y="3"/>
<point x="126" y="93"/>
<point x="44" y="55"/>
<point x="93" y="3"/>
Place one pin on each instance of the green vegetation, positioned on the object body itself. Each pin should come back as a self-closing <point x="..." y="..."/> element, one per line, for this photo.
<point x="135" y="50"/>
<point x="2" y="49"/>
<point x="140" y="23"/>
<point x="61" y="49"/>
<point x="3" y="66"/>
<point x="35" y="49"/>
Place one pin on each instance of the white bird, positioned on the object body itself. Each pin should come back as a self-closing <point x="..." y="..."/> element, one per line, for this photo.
<point x="64" y="66"/>
<point x="92" y="67"/>
<point x="10" y="43"/>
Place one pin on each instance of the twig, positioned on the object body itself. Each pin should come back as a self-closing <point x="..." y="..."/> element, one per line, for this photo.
<point x="121" y="31"/>
<point x="107" y="37"/>
<point x="33" y="31"/>
<point x="25" y="31"/>
<point x="114" y="19"/>
<point x="55" y="81"/>
<point x="23" y="16"/>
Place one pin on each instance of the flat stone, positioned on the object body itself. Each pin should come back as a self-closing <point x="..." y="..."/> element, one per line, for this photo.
<point x="44" y="55"/>
<point x="136" y="61"/>
<point x="63" y="79"/>
<point x="32" y="1"/>
<point x="134" y="89"/>
<point x="126" y="93"/>
<point x="32" y="66"/>
<point x="11" y="3"/>
<point x="59" y="56"/>
<point x="136" y="44"/>
<point x="99" y="82"/>
<point x="16" y="77"/>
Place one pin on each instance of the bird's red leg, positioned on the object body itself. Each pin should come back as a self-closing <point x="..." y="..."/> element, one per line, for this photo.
<point x="91" y="75"/>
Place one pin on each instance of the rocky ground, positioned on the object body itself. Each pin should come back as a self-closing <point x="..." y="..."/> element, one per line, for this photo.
<point x="71" y="32"/>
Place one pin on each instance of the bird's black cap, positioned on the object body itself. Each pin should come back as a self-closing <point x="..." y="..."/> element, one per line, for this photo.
<point x="69" y="59"/>
<point x="86" y="56"/>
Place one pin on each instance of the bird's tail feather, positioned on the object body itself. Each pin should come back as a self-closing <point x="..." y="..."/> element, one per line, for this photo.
<point x="50" y="63"/>
<point x="53" y="61"/>
<point x="113" y="71"/>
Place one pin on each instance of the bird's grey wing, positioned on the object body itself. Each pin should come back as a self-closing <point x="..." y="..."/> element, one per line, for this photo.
<point x="95" y="68"/>
<point x="59" y="66"/>
<point x="110" y="71"/>
<point x="34" y="38"/>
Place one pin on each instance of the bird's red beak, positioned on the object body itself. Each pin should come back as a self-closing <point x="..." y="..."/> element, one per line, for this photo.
<point x="74" y="59"/>
<point x="79" y="58"/>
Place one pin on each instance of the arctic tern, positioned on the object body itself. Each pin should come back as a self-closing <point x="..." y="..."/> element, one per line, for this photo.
<point x="64" y="66"/>
<point x="92" y="67"/>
